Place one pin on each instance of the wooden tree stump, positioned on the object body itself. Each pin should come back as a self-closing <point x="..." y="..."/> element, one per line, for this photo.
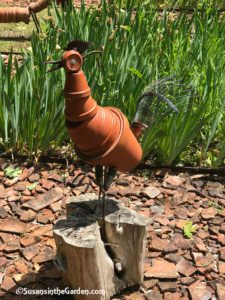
<point x="97" y="255"/>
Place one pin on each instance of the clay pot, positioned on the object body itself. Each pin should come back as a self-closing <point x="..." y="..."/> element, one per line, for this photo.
<point x="101" y="135"/>
<point x="14" y="15"/>
<point x="39" y="5"/>
<point x="123" y="152"/>
<point x="79" y="105"/>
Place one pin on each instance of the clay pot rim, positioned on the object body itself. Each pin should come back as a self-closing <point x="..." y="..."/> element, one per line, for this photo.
<point x="77" y="95"/>
<point x="101" y="156"/>
<point x="84" y="116"/>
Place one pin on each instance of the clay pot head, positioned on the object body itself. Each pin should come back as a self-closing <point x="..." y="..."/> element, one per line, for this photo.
<point x="72" y="61"/>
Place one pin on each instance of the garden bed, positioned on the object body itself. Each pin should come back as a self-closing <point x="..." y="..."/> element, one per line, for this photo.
<point x="186" y="241"/>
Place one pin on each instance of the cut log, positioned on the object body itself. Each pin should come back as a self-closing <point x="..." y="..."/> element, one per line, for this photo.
<point x="101" y="257"/>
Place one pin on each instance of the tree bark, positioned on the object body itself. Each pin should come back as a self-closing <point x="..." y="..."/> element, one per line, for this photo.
<point x="97" y="254"/>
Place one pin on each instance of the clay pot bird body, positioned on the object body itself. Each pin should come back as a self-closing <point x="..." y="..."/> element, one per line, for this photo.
<point x="101" y="135"/>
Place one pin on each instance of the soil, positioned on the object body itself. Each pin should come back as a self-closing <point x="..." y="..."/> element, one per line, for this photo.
<point x="185" y="236"/>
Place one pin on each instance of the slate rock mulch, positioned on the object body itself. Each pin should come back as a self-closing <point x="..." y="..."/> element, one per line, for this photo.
<point x="176" y="267"/>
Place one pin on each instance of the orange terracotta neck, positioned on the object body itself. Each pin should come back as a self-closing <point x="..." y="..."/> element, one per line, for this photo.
<point x="79" y="104"/>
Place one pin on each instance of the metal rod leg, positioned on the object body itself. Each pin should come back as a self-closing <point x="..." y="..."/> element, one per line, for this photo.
<point x="36" y="22"/>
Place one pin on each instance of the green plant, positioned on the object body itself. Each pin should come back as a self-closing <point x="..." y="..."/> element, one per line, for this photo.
<point x="189" y="229"/>
<point x="139" y="45"/>
<point x="11" y="172"/>
<point x="32" y="186"/>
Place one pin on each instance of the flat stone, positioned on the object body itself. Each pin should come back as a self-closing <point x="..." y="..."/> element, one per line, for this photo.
<point x="202" y="234"/>
<point x="27" y="215"/>
<point x="180" y="198"/>
<point x="161" y="268"/>
<point x="154" y="295"/>
<point x="11" y="192"/>
<point x="222" y="253"/>
<point x="156" y="209"/>
<point x="214" y="229"/>
<point x="220" y="290"/>
<point x="25" y="174"/>
<point x="34" y="177"/>
<point x="56" y="206"/>
<point x="55" y="177"/>
<point x="181" y="213"/>
<point x="6" y="237"/>
<point x="20" y="187"/>
<point x="185" y="267"/>
<point x="50" y="242"/>
<point x="14" y="198"/>
<point x="14" y="208"/>
<point x="200" y="291"/>
<point x="12" y="225"/>
<point x="12" y="246"/>
<point x="178" y="242"/>
<point x="44" y="200"/>
<point x="172" y="257"/>
<point x="3" y="194"/>
<point x="151" y="192"/>
<point x="10" y="182"/>
<point x="42" y="230"/>
<point x="221" y="267"/>
<point x="8" y="284"/>
<point x="3" y="261"/>
<point x="161" y="220"/>
<point x="157" y="244"/>
<point x="180" y="224"/>
<point x="43" y="219"/>
<point x="172" y="296"/>
<point x="29" y="240"/>
<point x="216" y="193"/>
<point x="47" y="184"/>
<point x="39" y="189"/>
<point x="187" y="280"/>
<point x="149" y="284"/>
<point x="209" y="213"/>
<point x="30" y="251"/>
<point x="168" y="286"/>
<point x="3" y="212"/>
<point x="46" y="254"/>
<point x="21" y="266"/>
<point x="174" y="180"/>
<point x="10" y="270"/>
<point x="221" y="239"/>
<point x="199" y="244"/>
<point x="199" y="259"/>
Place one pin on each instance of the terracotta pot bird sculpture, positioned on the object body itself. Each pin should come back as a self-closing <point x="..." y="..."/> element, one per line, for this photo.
<point x="102" y="136"/>
<point x="22" y="14"/>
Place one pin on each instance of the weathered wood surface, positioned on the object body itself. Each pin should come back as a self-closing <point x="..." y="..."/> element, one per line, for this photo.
<point x="93" y="255"/>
